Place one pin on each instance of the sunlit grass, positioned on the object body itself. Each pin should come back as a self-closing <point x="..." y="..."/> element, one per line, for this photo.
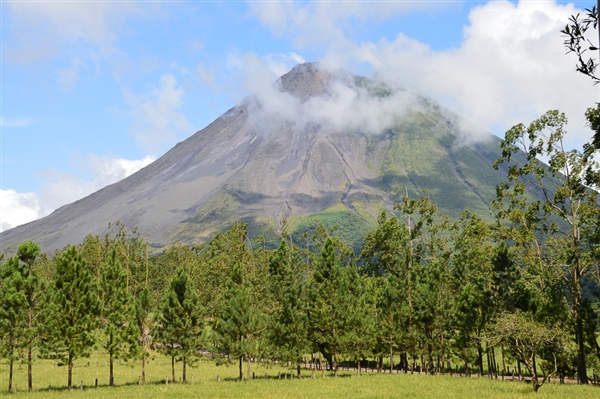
<point x="347" y="385"/>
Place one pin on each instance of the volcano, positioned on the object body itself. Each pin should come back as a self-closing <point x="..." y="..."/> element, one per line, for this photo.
<point x="316" y="146"/>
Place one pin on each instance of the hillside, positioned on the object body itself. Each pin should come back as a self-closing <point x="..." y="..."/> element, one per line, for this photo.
<point x="339" y="149"/>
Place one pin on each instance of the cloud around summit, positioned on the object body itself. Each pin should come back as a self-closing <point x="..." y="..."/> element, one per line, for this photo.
<point x="511" y="66"/>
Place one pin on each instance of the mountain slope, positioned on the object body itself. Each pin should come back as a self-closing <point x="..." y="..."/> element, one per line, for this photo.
<point x="338" y="149"/>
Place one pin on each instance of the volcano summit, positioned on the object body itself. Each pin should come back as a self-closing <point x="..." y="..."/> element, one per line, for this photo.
<point x="317" y="144"/>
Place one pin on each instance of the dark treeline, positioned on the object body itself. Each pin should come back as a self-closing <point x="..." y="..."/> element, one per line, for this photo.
<point x="424" y="291"/>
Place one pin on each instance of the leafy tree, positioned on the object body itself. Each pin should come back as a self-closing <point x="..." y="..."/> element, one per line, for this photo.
<point x="569" y="207"/>
<point x="119" y="331"/>
<point x="180" y="321"/>
<point x="531" y="342"/>
<point x="71" y="315"/>
<point x="13" y="308"/>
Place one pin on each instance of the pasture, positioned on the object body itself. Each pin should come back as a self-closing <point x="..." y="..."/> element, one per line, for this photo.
<point x="50" y="382"/>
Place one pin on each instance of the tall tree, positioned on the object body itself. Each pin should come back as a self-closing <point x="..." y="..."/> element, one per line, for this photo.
<point x="430" y="254"/>
<point x="289" y="318"/>
<point x="143" y="323"/>
<point x="180" y="321"/>
<point x="71" y="316"/>
<point x="386" y="255"/>
<point x="361" y="331"/>
<point x="329" y="303"/>
<point x="33" y="290"/>
<point x="13" y="308"/>
<point x="472" y="284"/>
<point x="119" y="331"/>
<point x="241" y="321"/>
<point x="569" y="206"/>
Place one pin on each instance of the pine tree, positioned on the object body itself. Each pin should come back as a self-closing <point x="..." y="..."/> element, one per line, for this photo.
<point x="329" y="308"/>
<point x="241" y="319"/>
<point x="71" y="316"/>
<point x="386" y="255"/>
<point x="289" y="319"/>
<point x="143" y="323"/>
<point x="180" y="321"/>
<point x="360" y="334"/>
<point x="119" y="330"/>
<point x="33" y="289"/>
<point x="13" y="307"/>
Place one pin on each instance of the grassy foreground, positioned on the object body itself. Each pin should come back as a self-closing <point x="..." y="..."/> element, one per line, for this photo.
<point x="347" y="385"/>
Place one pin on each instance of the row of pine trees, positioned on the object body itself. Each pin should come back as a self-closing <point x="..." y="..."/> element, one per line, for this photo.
<point x="422" y="292"/>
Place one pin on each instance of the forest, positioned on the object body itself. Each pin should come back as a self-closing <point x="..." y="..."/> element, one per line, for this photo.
<point x="518" y="287"/>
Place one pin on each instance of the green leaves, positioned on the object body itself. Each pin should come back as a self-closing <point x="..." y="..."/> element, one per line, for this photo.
<point x="72" y="313"/>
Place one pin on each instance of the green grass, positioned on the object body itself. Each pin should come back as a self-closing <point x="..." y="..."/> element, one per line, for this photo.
<point x="347" y="385"/>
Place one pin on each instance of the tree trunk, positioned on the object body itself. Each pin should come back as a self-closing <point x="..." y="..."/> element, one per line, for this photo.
<point x="29" y="367"/>
<point x="391" y="358"/>
<point x="489" y="361"/>
<point x="70" y="372"/>
<point x="184" y="374"/>
<point x="110" y="369"/>
<point x="430" y="355"/>
<point x="241" y="370"/>
<point x="173" y="368"/>
<point x="480" y="358"/>
<point x="335" y="365"/>
<point x="503" y="361"/>
<point x="443" y="348"/>
<point x="581" y="367"/>
<point x="298" y="369"/>
<point x="10" y="375"/>
<point x="248" y="368"/>
<point x="144" y="370"/>
<point x="494" y="363"/>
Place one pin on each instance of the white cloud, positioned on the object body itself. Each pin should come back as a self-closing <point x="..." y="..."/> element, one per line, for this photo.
<point x="43" y="28"/>
<point x="327" y="22"/>
<point x="511" y="66"/>
<point x="15" y="122"/>
<point x="207" y="77"/>
<point x="68" y="77"/>
<point x="17" y="208"/>
<point x="59" y="188"/>
<point x="342" y="106"/>
<point x="71" y="33"/>
<point x="281" y="63"/>
<point x="156" y="119"/>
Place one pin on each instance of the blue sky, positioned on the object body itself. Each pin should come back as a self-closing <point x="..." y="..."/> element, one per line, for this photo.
<point x="92" y="91"/>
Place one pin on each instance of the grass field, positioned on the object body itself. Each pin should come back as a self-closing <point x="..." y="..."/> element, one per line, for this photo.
<point x="346" y="385"/>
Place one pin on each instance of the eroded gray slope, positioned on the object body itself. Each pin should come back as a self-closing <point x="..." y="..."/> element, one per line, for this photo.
<point x="263" y="169"/>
